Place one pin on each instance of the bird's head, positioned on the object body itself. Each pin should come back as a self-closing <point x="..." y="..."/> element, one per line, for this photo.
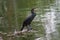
<point x="33" y="10"/>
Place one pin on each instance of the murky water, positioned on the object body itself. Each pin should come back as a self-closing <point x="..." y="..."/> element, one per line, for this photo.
<point x="50" y="25"/>
<point x="47" y="20"/>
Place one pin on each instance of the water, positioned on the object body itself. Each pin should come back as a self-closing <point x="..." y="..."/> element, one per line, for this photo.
<point x="47" y="20"/>
<point x="50" y="24"/>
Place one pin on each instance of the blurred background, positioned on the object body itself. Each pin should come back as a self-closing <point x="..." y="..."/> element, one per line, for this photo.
<point x="46" y="22"/>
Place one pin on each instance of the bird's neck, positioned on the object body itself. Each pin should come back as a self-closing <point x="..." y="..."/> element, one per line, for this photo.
<point x="32" y="12"/>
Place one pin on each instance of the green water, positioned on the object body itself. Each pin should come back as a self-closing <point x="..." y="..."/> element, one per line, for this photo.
<point x="23" y="8"/>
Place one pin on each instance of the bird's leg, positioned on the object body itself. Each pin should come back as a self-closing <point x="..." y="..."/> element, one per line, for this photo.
<point x="22" y="28"/>
<point x="29" y="27"/>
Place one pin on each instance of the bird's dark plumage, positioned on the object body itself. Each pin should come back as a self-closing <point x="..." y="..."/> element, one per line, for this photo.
<point x="28" y="20"/>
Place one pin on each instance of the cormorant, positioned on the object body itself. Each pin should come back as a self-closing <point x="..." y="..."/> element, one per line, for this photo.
<point x="28" y="20"/>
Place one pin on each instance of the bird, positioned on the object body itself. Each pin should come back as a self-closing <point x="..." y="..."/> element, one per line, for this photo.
<point x="28" y="20"/>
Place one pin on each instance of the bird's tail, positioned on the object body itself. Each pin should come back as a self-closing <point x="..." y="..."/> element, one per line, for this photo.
<point x="22" y="28"/>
